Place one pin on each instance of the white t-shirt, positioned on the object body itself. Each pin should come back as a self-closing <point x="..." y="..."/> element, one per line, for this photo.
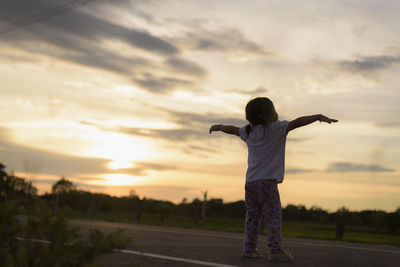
<point x="266" y="147"/>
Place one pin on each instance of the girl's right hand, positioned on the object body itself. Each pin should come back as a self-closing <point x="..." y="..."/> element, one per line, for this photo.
<point x="214" y="128"/>
<point x="323" y="118"/>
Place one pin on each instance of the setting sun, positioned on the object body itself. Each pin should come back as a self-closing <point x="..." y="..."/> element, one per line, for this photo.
<point x="119" y="164"/>
<point x="121" y="149"/>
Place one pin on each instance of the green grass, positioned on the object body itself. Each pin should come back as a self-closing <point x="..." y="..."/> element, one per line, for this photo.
<point x="289" y="228"/>
<point x="308" y="230"/>
<point x="383" y="239"/>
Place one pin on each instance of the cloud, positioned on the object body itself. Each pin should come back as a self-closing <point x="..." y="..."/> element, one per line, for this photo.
<point x="169" y="134"/>
<point x="368" y="64"/>
<point x="180" y="135"/>
<point x="79" y="26"/>
<point x="257" y="91"/>
<point x="297" y="170"/>
<point x="297" y="139"/>
<point x="188" y="118"/>
<point x="79" y="37"/>
<point x="388" y="124"/>
<point x="189" y="123"/>
<point x="161" y="84"/>
<point x="354" y="167"/>
<point x="185" y="66"/>
<point x="227" y="40"/>
<point x="204" y="149"/>
<point x="190" y="126"/>
<point x="20" y="158"/>
<point x="141" y="168"/>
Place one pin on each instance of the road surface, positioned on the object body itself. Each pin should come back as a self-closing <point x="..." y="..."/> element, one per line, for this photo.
<point x="168" y="246"/>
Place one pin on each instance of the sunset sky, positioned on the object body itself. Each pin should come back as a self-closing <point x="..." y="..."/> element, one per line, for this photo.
<point x="118" y="95"/>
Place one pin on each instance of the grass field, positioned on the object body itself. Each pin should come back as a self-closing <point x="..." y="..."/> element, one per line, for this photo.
<point x="289" y="228"/>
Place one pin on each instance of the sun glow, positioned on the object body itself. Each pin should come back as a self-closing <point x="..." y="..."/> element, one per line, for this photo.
<point x="118" y="179"/>
<point x="121" y="149"/>
<point x="120" y="164"/>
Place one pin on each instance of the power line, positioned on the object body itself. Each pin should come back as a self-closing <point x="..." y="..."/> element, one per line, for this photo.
<point x="52" y="12"/>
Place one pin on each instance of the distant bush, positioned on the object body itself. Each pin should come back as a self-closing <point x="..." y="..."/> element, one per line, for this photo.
<point x="24" y="243"/>
<point x="32" y="235"/>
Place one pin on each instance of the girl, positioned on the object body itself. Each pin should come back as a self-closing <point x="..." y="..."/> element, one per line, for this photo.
<point x="265" y="137"/>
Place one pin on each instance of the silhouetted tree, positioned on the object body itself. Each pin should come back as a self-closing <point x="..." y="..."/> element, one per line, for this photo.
<point x="63" y="186"/>
<point x="296" y="213"/>
<point x="14" y="188"/>
<point x="60" y="188"/>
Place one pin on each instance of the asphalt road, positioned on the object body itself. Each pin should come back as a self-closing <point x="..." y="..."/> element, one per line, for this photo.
<point x="168" y="246"/>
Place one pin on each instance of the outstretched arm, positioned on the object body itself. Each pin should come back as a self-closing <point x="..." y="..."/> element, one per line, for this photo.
<point x="305" y="120"/>
<point x="228" y="129"/>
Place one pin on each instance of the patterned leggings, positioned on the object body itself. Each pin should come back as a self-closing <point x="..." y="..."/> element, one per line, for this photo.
<point x="262" y="199"/>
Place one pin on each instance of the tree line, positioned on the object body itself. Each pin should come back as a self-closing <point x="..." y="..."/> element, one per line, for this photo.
<point x="66" y="194"/>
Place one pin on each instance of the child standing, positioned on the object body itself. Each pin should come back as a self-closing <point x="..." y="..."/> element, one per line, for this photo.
<point x="265" y="137"/>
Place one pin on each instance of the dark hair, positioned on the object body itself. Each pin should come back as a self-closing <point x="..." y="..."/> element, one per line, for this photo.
<point x="260" y="110"/>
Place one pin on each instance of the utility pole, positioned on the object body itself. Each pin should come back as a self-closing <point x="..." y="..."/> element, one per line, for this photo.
<point x="203" y="207"/>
